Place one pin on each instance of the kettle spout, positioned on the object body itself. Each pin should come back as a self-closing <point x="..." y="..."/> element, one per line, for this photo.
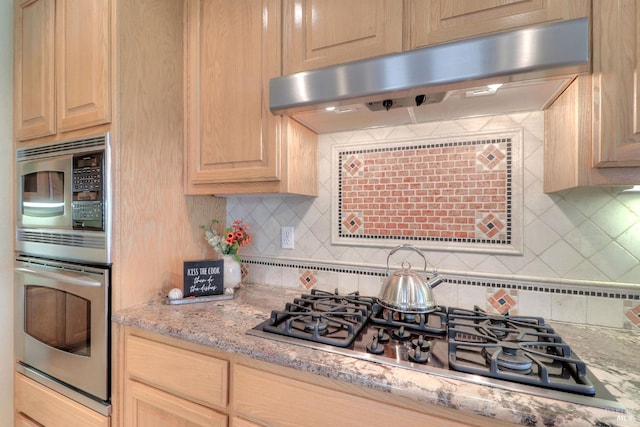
<point x="435" y="282"/>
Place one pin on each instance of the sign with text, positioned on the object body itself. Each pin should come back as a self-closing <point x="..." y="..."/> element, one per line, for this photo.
<point x="203" y="278"/>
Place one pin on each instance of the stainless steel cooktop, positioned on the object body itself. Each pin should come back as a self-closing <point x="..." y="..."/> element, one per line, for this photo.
<point x="517" y="353"/>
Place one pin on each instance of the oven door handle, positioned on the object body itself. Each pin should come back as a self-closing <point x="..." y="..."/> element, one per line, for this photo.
<point x="68" y="278"/>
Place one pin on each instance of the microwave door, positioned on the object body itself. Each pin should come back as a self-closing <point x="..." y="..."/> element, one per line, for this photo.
<point x="44" y="196"/>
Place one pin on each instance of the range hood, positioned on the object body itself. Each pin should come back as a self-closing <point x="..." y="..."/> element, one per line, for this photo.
<point x="512" y="71"/>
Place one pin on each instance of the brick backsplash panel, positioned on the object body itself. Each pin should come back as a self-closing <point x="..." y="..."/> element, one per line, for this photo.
<point x="435" y="191"/>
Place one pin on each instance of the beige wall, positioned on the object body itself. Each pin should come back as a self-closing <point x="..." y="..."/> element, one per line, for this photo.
<point x="6" y="213"/>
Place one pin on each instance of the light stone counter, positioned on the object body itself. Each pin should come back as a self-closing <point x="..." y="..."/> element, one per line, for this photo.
<point x="612" y="355"/>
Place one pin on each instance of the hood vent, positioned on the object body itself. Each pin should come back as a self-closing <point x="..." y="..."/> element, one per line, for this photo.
<point x="519" y="70"/>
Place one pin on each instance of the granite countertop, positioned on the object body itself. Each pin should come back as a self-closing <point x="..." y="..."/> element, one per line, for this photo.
<point x="611" y="354"/>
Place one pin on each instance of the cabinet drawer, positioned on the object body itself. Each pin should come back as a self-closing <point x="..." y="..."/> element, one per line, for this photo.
<point x="36" y="404"/>
<point x="194" y="376"/>
<point x="269" y="399"/>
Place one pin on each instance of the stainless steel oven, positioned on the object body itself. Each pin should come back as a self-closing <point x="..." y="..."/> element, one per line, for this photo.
<point x="62" y="328"/>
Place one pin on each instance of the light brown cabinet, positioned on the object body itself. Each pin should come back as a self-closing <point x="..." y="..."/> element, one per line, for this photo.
<point x="327" y="32"/>
<point x="591" y="131"/>
<point x="269" y="399"/>
<point x="167" y="381"/>
<point x="233" y="144"/>
<point x="37" y="405"/>
<point x="169" y="384"/>
<point x="429" y="22"/>
<point x="61" y="66"/>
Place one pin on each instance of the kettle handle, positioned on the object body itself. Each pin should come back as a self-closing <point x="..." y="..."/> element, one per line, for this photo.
<point x="409" y="248"/>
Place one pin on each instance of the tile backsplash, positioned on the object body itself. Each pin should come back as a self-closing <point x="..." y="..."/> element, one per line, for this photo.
<point x="579" y="257"/>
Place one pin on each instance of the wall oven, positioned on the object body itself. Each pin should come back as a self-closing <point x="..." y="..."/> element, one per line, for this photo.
<point x="62" y="328"/>
<point x="62" y="268"/>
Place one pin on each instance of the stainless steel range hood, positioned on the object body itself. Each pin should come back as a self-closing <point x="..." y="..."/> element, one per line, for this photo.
<point x="533" y="64"/>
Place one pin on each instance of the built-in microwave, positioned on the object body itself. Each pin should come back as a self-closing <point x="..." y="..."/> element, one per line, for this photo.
<point x="63" y="200"/>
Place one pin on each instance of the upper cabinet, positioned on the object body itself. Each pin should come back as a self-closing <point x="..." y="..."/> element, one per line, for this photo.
<point x="327" y="32"/>
<point x="62" y="68"/>
<point x="233" y="143"/>
<point x="319" y="33"/>
<point x="431" y="22"/>
<point x="34" y="76"/>
<point x="616" y="62"/>
<point x="591" y="131"/>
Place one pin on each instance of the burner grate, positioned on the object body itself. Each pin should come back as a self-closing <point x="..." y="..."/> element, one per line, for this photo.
<point x="514" y="348"/>
<point x="434" y="322"/>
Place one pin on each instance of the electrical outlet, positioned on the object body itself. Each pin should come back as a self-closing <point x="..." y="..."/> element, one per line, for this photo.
<point x="287" y="238"/>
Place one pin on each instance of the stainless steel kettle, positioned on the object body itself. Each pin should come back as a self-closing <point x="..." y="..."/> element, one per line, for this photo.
<point x="405" y="290"/>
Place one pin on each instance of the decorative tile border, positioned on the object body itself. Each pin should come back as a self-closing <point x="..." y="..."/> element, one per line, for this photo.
<point x="576" y="303"/>
<point x="461" y="193"/>
<point x="452" y="279"/>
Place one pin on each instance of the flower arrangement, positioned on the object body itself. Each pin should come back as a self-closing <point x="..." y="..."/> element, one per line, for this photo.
<point x="234" y="237"/>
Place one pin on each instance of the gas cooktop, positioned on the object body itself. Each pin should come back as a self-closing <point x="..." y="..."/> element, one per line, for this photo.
<point x="518" y="353"/>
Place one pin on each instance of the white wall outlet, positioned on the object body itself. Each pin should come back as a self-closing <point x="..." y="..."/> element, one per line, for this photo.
<point x="287" y="238"/>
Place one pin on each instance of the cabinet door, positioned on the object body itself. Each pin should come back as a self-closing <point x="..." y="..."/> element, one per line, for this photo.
<point x="232" y="49"/>
<point x="83" y="66"/>
<point x="34" y="69"/>
<point x="318" y="33"/>
<point x="148" y="407"/>
<point x="430" y="22"/>
<point x="616" y="47"/>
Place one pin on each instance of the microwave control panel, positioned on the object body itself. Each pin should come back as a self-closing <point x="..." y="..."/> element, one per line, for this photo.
<point x="87" y="203"/>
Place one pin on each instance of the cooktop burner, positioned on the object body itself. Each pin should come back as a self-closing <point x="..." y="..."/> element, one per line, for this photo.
<point x="518" y="353"/>
<point x="322" y="317"/>
<point x="516" y="348"/>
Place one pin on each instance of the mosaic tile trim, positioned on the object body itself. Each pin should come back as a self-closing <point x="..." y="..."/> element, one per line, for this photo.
<point x="523" y="286"/>
<point x="454" y="194"/>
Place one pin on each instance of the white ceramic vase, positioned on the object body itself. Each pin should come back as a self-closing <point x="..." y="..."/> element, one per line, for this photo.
<point x="232" y="272"/>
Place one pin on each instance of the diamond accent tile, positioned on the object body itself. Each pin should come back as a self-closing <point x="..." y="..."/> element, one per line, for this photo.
<point x="503" y="301"/>
<point x="634" y="316"/>
<point x="308" y="279"/>
<point x="352" y="165"/>
<point x="352" y="223"/>
<point x="491" y="156"/>
<point x="489" y="225"/>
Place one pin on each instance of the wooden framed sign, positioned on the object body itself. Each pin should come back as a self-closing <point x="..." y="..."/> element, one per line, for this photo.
<point x="203" y="278"/>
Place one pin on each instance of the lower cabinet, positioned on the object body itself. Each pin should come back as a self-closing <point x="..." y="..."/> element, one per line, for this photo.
<point x="37" y="405"/>
<point x="170" y="385"/>
<point x="165" y="381"/>
<point x="273" y="398"/>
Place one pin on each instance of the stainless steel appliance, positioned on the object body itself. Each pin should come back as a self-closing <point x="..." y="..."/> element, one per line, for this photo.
<point x="64" y="200"/>
<point x="517" y="70"/>
<point x="62" y="268"/>
<point x="62" y="328"/>
<point x="517" y="353"/>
